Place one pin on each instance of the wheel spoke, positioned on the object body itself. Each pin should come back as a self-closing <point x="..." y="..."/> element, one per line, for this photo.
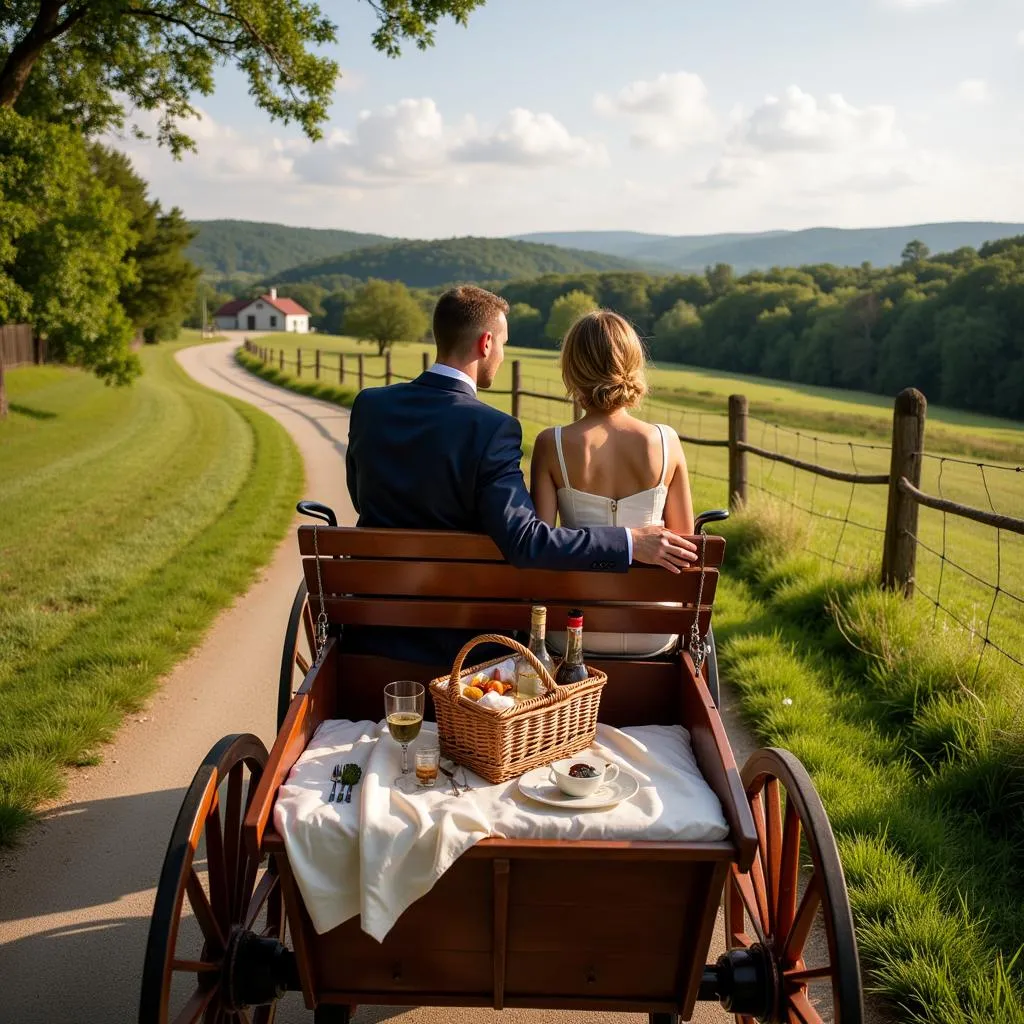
<point x="243" y="1015"/>
<point x="232" y="834"/>
<point x="302" y="664"/>
<point x="743" y="940"/>
<point x="802" y="975"/>
<point x="745" y="889"/>
<point x="268" y="883"/>
<point x="196" y="966"/>
<point x="801" y="1011"/>
<point x="773" y="836"/>
<point x="216" y="868"/>
<point x="789" y="873"/>
<point x="204" y="912"/>
<point x="797" y="938"/>
<point x="196" y="1006"/>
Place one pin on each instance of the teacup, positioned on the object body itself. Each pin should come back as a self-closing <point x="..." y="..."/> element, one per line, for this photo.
<point x="572" y="785"/>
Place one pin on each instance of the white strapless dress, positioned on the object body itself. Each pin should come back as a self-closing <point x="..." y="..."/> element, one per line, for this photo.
<point x="645" y="508"/>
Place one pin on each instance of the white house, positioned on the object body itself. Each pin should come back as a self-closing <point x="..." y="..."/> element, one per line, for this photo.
<point x="265" y="313"/>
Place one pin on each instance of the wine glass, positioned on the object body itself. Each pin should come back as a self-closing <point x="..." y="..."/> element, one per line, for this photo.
<point x="403" y="707"/>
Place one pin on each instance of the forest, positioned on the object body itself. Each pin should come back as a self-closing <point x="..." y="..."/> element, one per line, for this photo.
<point x="951" y="324"/>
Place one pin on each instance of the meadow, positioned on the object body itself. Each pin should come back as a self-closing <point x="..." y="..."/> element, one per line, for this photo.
<point x="971" y="575"/>
<point x="130" y="517"/>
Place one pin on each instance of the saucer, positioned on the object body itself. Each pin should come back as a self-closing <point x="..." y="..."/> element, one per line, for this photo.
<point x="537" y="786"/>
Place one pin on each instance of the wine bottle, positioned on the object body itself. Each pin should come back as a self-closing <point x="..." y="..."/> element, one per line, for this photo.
<point x="572" y="669"/>
<point x="528" y="682"/>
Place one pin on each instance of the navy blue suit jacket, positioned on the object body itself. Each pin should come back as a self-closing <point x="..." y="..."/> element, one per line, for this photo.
<point x="429" y="455"/>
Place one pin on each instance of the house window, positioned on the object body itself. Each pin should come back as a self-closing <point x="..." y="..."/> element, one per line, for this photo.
<point x="273" y="321"/>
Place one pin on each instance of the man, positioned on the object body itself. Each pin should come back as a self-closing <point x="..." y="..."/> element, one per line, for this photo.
<point x="430" y="455"/>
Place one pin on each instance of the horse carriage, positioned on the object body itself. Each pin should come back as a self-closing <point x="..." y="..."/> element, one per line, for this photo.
<point x="514" y="923"/>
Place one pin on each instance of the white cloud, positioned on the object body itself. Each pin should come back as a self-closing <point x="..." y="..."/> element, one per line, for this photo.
<point x="667" y="112"/>
<point x="1020" y="38"/>
<point x="797" y="121"/>
<point x="531" y="140"/>
<point x="912" y="4"/>
<point x="803" y="146"/>
<point x="974" y="90"/>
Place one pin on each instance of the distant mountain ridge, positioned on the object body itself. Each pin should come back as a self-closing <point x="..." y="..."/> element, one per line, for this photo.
<point x="431" y="264"/>
<point x="228" y="247"/>
<point x="762" y="250"/>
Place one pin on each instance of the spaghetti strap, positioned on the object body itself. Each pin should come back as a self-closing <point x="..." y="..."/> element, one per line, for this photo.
<point x="561" y="457"/>
<point x="664" y="455"/>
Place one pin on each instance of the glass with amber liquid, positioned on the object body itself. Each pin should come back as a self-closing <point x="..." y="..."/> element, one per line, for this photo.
<point x="571" y="669"/>
<point x="403" y="707"/>
<point x="528" y="682"/>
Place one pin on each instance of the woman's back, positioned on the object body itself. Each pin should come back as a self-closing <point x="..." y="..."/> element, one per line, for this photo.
<point x="618" y="464"/>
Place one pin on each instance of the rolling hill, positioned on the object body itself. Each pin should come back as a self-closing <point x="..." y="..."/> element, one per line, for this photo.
<point x="430" y="264"/>
<point x="225" y="248"/>
<point x="843" y="246"/>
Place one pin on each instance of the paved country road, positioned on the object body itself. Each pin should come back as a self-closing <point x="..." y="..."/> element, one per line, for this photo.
<point x="75" y="897"/>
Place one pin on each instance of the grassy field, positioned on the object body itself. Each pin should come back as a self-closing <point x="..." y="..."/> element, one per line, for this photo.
<point x="130" y="517"/>
<point x="841" y="429"/>
<point x="922" y="777"/>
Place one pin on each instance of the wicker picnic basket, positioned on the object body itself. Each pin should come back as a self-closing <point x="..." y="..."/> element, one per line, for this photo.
<point x="502" y="745"/>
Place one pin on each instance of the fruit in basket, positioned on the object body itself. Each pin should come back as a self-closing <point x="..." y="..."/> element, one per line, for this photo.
<point x="473" y="692"/>
<point x="480" y="680"/>
<point x="493" y="686"/>
<point x="507" y="687"/>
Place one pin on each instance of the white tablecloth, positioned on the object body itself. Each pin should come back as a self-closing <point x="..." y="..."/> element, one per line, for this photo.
<point x="380" y="853"/>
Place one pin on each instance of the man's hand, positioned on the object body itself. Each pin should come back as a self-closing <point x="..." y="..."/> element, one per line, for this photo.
<point x="654" y="545"/>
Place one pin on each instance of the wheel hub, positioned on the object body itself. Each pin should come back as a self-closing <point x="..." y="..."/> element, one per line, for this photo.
<point x="257" y="970"/>
<point x="747" y="982"/>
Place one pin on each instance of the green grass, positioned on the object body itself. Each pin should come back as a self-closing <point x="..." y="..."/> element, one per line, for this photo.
<point x="131" y="516"/>
<point x="826" y="426"/>
<point x="920" y="765"/>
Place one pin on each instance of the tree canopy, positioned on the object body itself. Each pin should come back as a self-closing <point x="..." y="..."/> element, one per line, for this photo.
<point x="565" y="311"/>
<point x="385" y="312"/>
<point x="88" y="62"/>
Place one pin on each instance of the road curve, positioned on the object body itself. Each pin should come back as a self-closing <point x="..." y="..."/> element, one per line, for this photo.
<point x="75" y="897"/>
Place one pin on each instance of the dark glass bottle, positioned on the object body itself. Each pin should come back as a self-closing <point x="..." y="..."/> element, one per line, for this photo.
<point x="571" y="669"/>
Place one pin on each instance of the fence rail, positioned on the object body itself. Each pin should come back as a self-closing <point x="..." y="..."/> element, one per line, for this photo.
<point x="900" y="535"/>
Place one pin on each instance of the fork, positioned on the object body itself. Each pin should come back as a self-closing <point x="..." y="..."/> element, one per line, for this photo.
<point x="451" y="780"/>
<point x="335" y="779"/>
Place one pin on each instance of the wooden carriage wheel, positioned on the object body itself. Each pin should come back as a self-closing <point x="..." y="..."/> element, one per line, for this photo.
<point x="196" y="956"/>
<point x="800" y="917"/>
<point x="297" y="653"/>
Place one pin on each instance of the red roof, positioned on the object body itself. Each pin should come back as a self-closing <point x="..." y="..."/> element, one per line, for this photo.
<point x="287" y="306"/>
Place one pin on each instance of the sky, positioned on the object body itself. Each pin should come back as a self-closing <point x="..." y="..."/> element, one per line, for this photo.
<point x="664" y="116"/>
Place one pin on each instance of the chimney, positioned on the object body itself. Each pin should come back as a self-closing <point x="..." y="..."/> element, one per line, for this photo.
<point x="273" y="293"/>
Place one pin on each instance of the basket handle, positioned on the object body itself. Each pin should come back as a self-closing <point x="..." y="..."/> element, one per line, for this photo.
<point x="495" y="638"/>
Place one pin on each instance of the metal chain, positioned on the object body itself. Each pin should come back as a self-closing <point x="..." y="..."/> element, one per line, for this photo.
<point x="698" y="646"/>
<point x="321" y="619"/>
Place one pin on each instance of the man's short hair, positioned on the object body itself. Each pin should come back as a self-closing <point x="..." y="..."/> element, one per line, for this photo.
<point x="462" y="315"/>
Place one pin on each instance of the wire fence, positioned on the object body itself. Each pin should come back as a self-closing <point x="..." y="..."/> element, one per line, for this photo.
<point x="836" y="483"/>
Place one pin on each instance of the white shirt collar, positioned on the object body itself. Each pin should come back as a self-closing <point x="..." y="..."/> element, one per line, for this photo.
<point x="450" y="371"/>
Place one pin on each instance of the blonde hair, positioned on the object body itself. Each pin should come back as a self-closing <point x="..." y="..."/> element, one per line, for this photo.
<point x="603" y="362"/>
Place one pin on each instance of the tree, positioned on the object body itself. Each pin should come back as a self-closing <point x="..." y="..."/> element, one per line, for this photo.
<point x="385" y="312"/>
<point x="163" y="288"/>
<point x="565" y="311"/>
<point x="914" y="252"/>
<point x="524" y="325"/>
<point x="63" y="240"/>
<point x="720" y="278"/>
<point x="674" y="331"/>
<point x="84" y="62"/>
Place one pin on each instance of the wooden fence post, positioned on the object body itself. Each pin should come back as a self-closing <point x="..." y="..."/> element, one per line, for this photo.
<point x="318" y="364"/>
<point x="387" y="367"/>
<point x="899" y="555"/>
<point x="341" y="367"/>
<point x="737" y="457"/>
<point x="426" y="361"/>
<point x="281" y="358"/>
<point x="516" y="385"/>
<point x="298" y="362"/>
<point x="359" y="359"/>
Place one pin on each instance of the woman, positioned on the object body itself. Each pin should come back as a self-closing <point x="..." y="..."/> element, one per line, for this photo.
<point x="609" y="468"/>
